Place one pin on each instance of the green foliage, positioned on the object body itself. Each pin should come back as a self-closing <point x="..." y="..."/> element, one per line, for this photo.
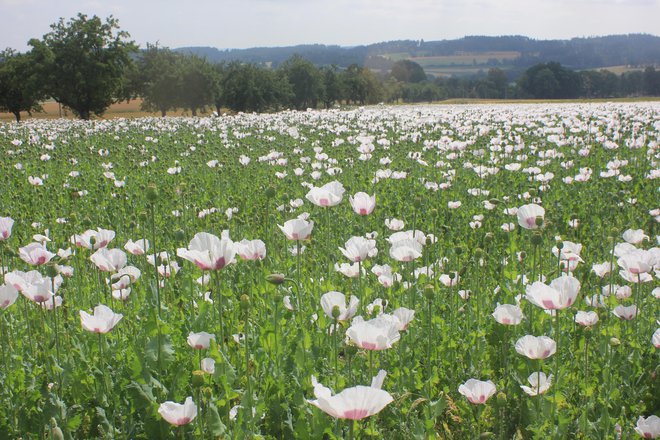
<point x="86" y="62"/>
<point x="159" y="79"/>
<point x="20" y="87"/>
<point x="408" y="72"/>
<point x="306" y="82"/>
<point x="549" y="81"/>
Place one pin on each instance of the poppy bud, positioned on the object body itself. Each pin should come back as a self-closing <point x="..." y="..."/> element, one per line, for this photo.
<point x="539" y="221"/>
<point x="179" y="235"/>
<point x="434" y="212"/>
<point x="488" y="237"/>
<point x="458" y="250"/>
<point x="55" y="431"/>
<point x="142" y="216"/>
<point x="270" y="192"/>
<point x="494" y="202"/>
<point x="614" y="342"/>
<point x="275" y="278"/>
<point x="537" y="239"/>
<point x="92" y="240"/>
<point x="336" y="312"/>
<point x="418" y="202"/>
<point x="501" y="398"/>
<point x="478" y="253"/>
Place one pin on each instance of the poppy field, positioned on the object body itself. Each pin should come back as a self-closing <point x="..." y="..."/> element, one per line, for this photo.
<point x="454" y="272"/>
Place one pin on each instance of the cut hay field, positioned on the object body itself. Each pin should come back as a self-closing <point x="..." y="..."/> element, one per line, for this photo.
<point x="122" y="109"/>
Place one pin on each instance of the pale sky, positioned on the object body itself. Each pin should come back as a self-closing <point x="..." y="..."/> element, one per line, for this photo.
<point x="251" y="23"/>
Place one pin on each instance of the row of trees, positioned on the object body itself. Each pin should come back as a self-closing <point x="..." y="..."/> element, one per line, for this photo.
<point x="86" y="64"/>
<point x="168" y="80"/>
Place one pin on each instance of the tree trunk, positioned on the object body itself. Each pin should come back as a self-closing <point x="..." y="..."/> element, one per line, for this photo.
<point x="193" y="111"/>
<point x="217" y="109"/>
<point x="163" y="113"/>
<point x="18" y="116"/>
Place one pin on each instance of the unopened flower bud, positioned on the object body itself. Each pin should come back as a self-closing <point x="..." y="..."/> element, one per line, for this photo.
<point x="539" y="221"/>
<point x="270" y="192"/>
<point x="614" y="342"/>
<point x="537" y="239"/>
<point x="275" y="278"/>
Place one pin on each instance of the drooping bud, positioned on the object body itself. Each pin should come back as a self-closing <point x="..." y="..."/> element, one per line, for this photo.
<point x="275" y="278"/>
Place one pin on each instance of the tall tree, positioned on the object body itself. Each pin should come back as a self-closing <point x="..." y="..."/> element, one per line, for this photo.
<point x="408" y="71"/>
<point x="160" y="77"/>
<point x="88" y="58"/>
<point x="332" y="85"/>
<point x="20" y="88"/>
<point x="197" y="78"/>
<point x="305" y="80"/>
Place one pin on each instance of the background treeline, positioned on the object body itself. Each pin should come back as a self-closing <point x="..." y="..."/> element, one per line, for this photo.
<point x="576" y="53"/>
<point x="86" y="64"/>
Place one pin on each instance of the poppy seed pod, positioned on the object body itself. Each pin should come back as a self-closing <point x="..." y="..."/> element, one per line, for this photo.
<point x="245" y="302"/>
<point x="429" y="291"/>
<point x="270" y="192"/>
<point x="537" y="239"/>
<point x="418" y="202"/>
<point x="198" y="378"/>
<point x="179" y="235"/>
<point x="51" y="270"/>
<point x="336" y="312"/>
<point x="152" y="193"/>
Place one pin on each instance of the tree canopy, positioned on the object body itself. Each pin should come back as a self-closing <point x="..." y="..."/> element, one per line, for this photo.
<point x="20" y="88"/>
<point x="86" y="59"/>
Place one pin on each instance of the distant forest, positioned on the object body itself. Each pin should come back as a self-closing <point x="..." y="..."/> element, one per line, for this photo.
<point x="576" y="53"/>
<point x="86" y="64"/>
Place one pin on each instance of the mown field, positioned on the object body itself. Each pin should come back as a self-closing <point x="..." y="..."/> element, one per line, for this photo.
<point x="457" y="271"/>
<point x="130" y="109"/>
